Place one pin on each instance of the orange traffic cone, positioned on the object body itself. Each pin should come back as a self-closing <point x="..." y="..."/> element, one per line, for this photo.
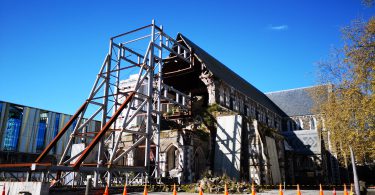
<point x="124" y="192"/>
<point x="334" y="191"/>
<point x="321" y="190"/>
<point x="106" y="191"/>
<point x="3" y="193"/>
<point x="345" y="191"/>
<point x="253" y="189"/>
<point x="281" y="190"/>
<point x="298" y="190"/>
<point x="174" y="189"/>
<point x="145" y="190"/>
<point x="226" y="190"/>
<point x="200" y="190"/>
<point x="351" y="189"/>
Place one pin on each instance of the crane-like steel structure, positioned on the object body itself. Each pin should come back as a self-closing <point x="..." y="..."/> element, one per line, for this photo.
<point x="140" y="51"/>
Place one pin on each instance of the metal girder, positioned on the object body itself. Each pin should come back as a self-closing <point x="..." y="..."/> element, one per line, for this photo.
<point x="102" y="132"/>
<point x="41" y="167"/>
<point x="60" y="134"/>
<point x="109" y="101"/>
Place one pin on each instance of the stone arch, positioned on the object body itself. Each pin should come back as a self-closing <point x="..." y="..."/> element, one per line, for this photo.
<point x="172" y="157"/>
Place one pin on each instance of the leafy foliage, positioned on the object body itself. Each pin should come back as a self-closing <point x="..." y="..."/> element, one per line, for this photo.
<point x="210" y="112"/>
<point x="349" y="110"/>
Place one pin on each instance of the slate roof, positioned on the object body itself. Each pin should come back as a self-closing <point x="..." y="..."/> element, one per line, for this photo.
<point x="222" y="72"/>
<point x="294" y="102"/>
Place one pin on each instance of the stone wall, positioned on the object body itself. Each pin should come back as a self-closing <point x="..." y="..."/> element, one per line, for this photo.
<point x="312" y="159"/>
<point x="263" y="156"/>
<point x="183" y="155"/>
<point x="234" y="100"/>
<point x="242" y="142"/>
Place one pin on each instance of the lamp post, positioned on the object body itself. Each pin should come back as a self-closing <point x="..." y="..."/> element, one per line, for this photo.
<point x="355" y="176"/>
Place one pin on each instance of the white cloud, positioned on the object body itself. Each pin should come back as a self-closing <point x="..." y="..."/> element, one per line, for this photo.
<point x="278" y="28"/>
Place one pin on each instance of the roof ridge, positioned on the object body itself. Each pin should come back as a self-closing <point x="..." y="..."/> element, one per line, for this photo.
<point x="293" y="89"/>
<point x="221" y="71"/>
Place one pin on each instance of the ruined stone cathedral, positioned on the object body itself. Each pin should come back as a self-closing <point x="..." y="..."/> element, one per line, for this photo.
<point x="230" y="127"/>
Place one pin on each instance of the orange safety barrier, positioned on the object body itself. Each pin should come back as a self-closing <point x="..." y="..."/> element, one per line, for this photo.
<point x="321" y="190"/>
<point x="174" y="189"/>
<point x="124" y="192"/>
<point x="253" y="189"/>
<point x="226" y="192"/>
<point x="281" y="190"/>
<point x="200" y="190"/>
<point x="345" y="191"/>
<point x="145" y="190"/>
<point x="106" y="191"/>
<point x="3" y="193"/>
<point x="298" y="190"/>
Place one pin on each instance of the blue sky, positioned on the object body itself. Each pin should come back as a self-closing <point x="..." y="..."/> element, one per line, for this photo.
<point x="51" y="51"/>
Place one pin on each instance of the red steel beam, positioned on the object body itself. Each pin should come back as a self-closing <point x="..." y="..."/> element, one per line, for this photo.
<point x="102" y="132"/>
<point x="23" y="165"/>
<point x="61" y="133"/>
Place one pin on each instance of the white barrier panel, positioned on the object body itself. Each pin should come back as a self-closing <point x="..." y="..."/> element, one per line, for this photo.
<point x="16" y="188"/>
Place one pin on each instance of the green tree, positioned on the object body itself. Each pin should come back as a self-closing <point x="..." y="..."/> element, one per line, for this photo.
<point x="349" y="109"/>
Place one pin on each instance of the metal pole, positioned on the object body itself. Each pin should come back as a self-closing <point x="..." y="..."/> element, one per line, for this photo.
<point x="355" y="176"/>
<point x="87" y="190"/>
<point x="104" y="115"/>
<point x="158" y="119"/>
<point x="117" y="81"/>
<point x="149" y="104"/>
<point x="28" y="176"/>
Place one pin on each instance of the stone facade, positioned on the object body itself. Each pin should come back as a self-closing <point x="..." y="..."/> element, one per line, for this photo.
<point x="261" y="123"/>
<point x="204" y="140"/>
<point x="183" y="155"/>
<point x="309" y="159"/>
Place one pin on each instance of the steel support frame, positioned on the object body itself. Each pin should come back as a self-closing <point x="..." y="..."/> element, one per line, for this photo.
<point x="104" y="99"/>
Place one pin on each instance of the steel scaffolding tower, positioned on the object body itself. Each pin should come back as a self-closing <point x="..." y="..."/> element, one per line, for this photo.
<point x="140" y="51"/>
